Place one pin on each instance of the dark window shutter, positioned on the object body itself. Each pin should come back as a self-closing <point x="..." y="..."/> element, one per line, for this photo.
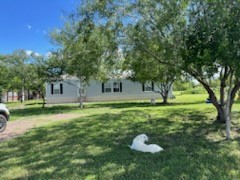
<point x="51" y="88"/>
<point x="120" y="86"/>
<point x="61" y="88"/>
<point x="152" y="86"/>
<point x="143" y="87"/>
<point x="102" y="87"/>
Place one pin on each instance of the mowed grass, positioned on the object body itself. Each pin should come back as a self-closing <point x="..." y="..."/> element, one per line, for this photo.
<point x="95" y="145"/>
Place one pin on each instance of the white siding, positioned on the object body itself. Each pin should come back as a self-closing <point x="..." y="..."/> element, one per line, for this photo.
<point x="70" y="92"/>
<point x="130" y="91"/>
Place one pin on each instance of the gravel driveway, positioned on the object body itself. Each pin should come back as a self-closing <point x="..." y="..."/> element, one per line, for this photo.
<point x="18" y="127"/>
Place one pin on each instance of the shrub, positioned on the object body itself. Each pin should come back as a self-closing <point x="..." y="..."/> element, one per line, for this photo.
<point x="195" y="90"/>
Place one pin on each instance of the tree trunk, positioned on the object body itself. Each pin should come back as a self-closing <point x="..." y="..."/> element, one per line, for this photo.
<point x="228" y="126"/>
<point x="81" y="102"/>
<point x="228" y="114"/>
<point x="22" y="95"/>
<point x="220" y="107"/>
<point x="222" y="93"/>
<point x="224" y="108"/>
<point x="221" y="118"/>
<point x="7" y="97"/>
<point x="12" y="96"/>
<point x="165" y="98"/>
<point x="28" y="94"/>
<point x="44" y="100"/>
<point x="164" y="91"/>
<point x="80" y="94"/>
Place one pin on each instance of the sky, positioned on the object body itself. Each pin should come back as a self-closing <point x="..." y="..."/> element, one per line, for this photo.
<point x="25" y="24"/>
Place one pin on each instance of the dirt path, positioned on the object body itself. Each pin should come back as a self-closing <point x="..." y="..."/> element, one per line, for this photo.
<point x="18" y="127"/>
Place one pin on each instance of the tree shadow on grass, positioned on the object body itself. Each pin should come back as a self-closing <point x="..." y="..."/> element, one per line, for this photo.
<point x="28" y="110"/>
<point x="31" y="111"/>
<point x="96" y="147"/>
<point x="117" y="105"/>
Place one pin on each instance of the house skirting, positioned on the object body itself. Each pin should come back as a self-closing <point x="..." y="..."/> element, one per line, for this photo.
<point x="121" y="98"/>
<point x="62" y="100"/>
<point x="100" y="98"/>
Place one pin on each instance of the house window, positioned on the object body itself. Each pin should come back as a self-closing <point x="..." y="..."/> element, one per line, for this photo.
<point x="107" y="87"/>
<point x="57" y="88"/>
<point x="56" y="91"/>
<point x="111" y="87"/>
<point x="148" y="86"/>
<point x="116" y="87"/>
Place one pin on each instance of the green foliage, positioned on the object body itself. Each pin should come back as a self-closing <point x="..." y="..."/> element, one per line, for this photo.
<point x="84" y="45"/>
<point x="85" y="49"/>
<point x="195" y="90"/>
<point x="4" y="71"/>
<point x="17" y="71"/>
<point x="182" y="85"/>
<point x="211" y="37"/>
<point x="200" y="38"/>
<point x="20" y="71"/>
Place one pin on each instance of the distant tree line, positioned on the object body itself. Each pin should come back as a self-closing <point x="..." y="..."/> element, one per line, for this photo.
<point x="22" y="72"/>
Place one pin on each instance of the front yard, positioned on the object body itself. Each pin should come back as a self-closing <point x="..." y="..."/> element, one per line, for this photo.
<point x="93" y="144"/>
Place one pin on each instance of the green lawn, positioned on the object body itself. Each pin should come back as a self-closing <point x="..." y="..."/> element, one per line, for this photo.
<point x="94" y="146"/>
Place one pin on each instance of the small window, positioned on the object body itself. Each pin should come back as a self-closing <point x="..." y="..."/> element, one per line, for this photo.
<point x="56" y="91"/>
<point x="111" y="87"/>
<point x="116" y="87"/>
<point x="148" y="86"/>
<point x="57" y="88"/>
<point x="107" y="87"/>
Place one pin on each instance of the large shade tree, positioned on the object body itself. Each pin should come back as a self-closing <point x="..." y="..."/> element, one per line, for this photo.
<point x="85" y="47"/>
<point x="198" y="37"/>
<point x="211" y="49"/>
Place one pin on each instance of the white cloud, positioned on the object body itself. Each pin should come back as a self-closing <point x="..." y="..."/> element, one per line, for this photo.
<point x="29" y="27"/>
<point x="48" y="54"/>
<point x="57" y="30"/>
<point x="36" y="54"/>
<point x="30" y="52"/>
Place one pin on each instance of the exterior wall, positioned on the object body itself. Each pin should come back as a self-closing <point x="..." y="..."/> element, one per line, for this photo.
<point x="130" y="91"/>
<point x="70" y="92"/>
<point x="10" y="97"/>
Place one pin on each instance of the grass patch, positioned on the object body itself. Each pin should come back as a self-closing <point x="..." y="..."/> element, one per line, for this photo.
<point x="95" y="145"/>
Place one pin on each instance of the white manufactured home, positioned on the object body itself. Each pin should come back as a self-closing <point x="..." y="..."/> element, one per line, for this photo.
<point x="113" y="90"/>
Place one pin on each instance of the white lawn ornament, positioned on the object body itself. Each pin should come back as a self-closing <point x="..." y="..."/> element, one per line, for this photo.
<point x="138" y="144"/>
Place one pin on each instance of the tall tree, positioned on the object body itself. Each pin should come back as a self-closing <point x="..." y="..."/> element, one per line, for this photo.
<point x="198" y="37"/>
<point x="46" y="69"/>
<point x="211" y="46"/>
<point x="21" y="71"/>
<point x="85" y="48"/>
